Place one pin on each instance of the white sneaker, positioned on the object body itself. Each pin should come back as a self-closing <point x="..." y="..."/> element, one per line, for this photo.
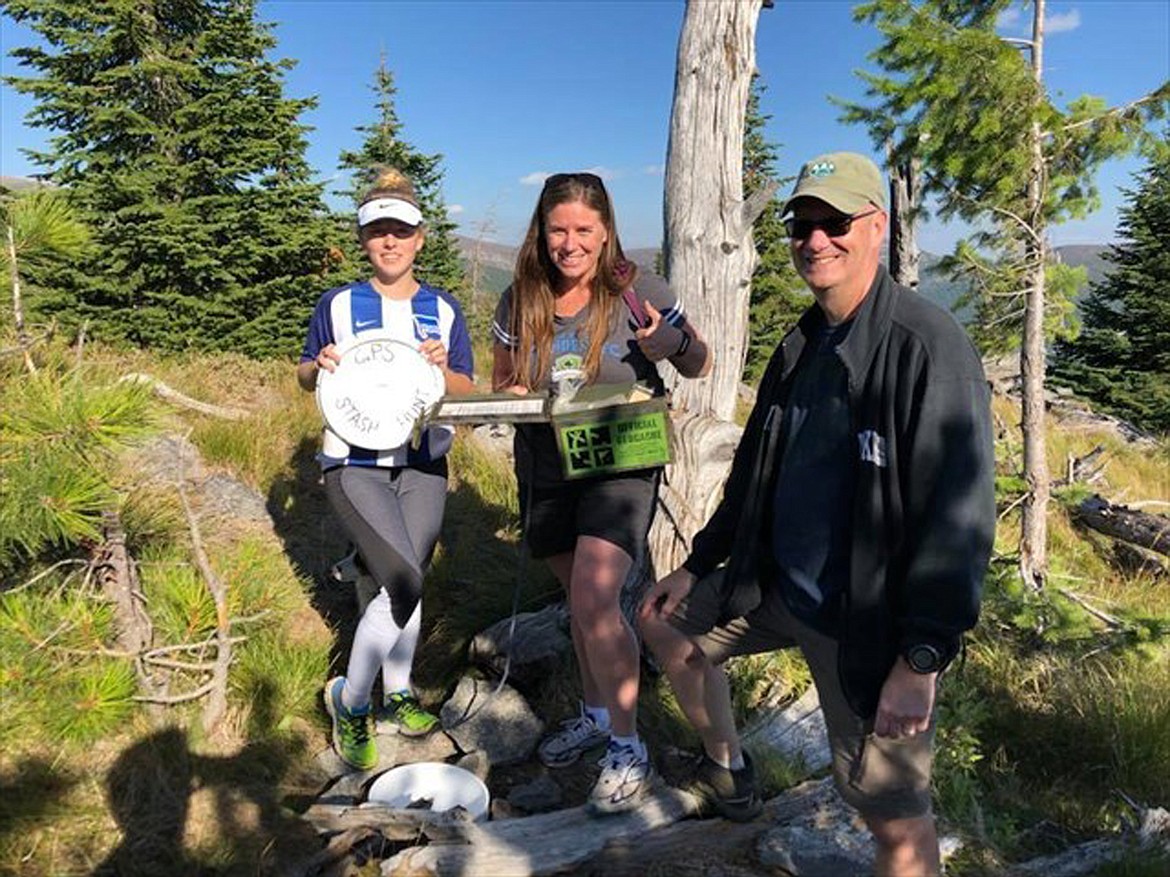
<point x="577" y="736"/>
<point x="625" y="774"/>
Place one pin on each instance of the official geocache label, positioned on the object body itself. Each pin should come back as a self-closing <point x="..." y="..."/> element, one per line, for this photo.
<point x="610" y="441"/>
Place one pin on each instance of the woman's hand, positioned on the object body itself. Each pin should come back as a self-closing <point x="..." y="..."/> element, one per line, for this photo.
<point x="658" y="339"/>
<point x="327" y="359"/>
<point x="435" y="352"/>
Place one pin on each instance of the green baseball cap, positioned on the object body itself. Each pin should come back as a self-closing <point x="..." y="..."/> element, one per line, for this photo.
<point x="846" y="181"/>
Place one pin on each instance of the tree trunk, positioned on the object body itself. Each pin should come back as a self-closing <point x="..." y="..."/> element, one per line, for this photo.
<point x="708" y="254"/>
<point x="17" y="306"/>
<point x="1034" y="525"/>
<point x="904" y="197"/>
<point x="1151" y="532"/>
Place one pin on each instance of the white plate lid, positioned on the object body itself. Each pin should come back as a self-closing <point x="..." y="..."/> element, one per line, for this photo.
<point x="378" y="392"/>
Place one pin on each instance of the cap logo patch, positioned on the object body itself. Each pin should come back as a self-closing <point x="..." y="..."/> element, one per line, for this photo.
<point x="821" y="169"/>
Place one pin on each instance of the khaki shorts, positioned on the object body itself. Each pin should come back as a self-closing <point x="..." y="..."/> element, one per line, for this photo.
<point x="882" y="777"/>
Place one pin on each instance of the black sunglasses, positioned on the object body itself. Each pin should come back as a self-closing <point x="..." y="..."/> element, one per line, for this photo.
<point x="585" y="179"/>
<point x="834" y="226"/>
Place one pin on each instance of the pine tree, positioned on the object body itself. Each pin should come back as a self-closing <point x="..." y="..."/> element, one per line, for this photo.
<point x="1121" y="360"/>
<point x="175" y="140"/>
<point x="439" y="262"/>
<point x="779" y="296"/>
<point x="998" y="153"/>
<point x="38" y="226"/>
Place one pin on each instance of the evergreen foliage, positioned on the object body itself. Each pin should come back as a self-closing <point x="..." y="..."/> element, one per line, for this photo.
<point x="1121" y="360"/>
<point x="966" y="103"/>
<point x="59" y="434"/>
<point x="778" y="295"/>
<point x="40" y="224"/>
<point x="439" y="263"/>
<point x="172" y="134"/>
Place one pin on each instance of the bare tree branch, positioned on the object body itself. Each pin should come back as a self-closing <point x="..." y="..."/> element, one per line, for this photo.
<point x="172" y="395"/>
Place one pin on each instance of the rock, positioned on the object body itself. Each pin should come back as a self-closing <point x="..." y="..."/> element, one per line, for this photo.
<point x="164" y="458"/>
<point x="436" y="746"/>
<point x="500" y="724"/>
<point x="826" y="839"/>
<point x="797" y="732"/>
<point x="345" y="785"/>
<point x="500" y="809"/>
<point x="541" y="642"/>
<point x="495" y="437"/>
<point x="476" y="763"/>
<point x="538" y="796"/>
<point x="224" y="496"/>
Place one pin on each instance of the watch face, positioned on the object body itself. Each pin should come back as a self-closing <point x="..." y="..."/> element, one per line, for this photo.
<point x="924" y="658"/>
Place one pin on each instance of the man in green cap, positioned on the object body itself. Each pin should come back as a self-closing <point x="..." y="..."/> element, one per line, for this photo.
<point x="856" y="524"/>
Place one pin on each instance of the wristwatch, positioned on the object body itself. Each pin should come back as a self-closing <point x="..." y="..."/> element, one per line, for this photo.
<point x="684" y="344"/>
<point x="924" y="658"/>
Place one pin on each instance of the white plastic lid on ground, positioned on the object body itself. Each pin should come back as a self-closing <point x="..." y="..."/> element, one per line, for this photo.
<point x="444" y="786"/>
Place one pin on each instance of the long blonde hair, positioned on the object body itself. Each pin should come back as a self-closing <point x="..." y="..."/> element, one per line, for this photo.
<point x="534" y="281"/>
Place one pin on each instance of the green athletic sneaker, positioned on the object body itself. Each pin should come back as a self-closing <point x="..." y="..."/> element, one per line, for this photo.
<point x="402" y="711"/>
<point x="353" y="731"/>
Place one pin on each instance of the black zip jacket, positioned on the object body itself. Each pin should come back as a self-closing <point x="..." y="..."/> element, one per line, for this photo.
<point x="924" y="508"/>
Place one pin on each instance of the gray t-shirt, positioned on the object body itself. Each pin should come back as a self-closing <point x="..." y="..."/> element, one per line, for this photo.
<point x="622" y="362"/>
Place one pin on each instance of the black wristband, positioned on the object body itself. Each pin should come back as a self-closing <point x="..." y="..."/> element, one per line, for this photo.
<point x="683" y="345"/>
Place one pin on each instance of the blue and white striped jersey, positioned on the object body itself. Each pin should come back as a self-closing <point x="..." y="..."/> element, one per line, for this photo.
<point x="348" y="311"/>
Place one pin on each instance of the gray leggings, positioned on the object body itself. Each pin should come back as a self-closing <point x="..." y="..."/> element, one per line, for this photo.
<point x="393" y="516"/>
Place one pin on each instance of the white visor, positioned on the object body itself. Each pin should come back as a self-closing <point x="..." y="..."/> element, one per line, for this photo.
<point x="388" y="208"/>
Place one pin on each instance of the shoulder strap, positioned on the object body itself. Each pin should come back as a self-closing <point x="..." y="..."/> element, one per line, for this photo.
<point x="635" y="306"/>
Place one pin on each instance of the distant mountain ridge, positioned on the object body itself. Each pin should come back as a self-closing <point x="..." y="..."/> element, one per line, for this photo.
<point x="497" y="261"/>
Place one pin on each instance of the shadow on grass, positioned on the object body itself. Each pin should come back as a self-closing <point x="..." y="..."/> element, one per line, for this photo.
<point x="30" y="792"/>
<point x="180" y="812"/>
<point x="313" y="542"/>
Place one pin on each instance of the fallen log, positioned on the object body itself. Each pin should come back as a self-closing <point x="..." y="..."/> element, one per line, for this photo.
<point x="548" y="843"/>
<point x="448" y="826"/>
<point x="1153" y="835"/>
<point x="707" y="843"/>
<point x="1145" y="530"/>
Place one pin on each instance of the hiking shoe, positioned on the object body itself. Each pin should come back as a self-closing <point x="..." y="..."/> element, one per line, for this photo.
<point x="403" y="714"/>
<point x="353" y="730"/>
<point x="730" y="793"/>
<point x="625" y="774"/>
<point x="577" y="736"/>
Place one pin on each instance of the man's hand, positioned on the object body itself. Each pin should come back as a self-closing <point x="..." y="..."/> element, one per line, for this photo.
<point x="906" y="702"/>
<point x="665" y="595"/>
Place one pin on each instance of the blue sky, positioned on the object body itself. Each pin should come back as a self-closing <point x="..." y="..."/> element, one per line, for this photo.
<point x="511" y="91"/>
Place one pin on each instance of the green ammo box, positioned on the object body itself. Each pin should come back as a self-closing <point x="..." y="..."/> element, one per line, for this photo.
<point x="614" y="438"/>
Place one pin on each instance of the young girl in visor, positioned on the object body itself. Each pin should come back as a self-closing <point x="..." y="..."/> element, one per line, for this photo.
<point x="389" y="502"/>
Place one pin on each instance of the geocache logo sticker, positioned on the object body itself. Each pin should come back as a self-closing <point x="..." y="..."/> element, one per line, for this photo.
<point x="588" y="448"/>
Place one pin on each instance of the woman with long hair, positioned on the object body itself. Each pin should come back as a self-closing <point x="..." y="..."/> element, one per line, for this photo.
<point x="571" y="318"/>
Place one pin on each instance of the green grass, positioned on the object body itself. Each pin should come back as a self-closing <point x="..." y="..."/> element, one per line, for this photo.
<point x="1052" y="714"/>
<point x="279" y="681"/>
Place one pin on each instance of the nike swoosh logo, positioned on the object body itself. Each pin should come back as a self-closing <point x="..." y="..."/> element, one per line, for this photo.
<point x="361" y="324"/>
